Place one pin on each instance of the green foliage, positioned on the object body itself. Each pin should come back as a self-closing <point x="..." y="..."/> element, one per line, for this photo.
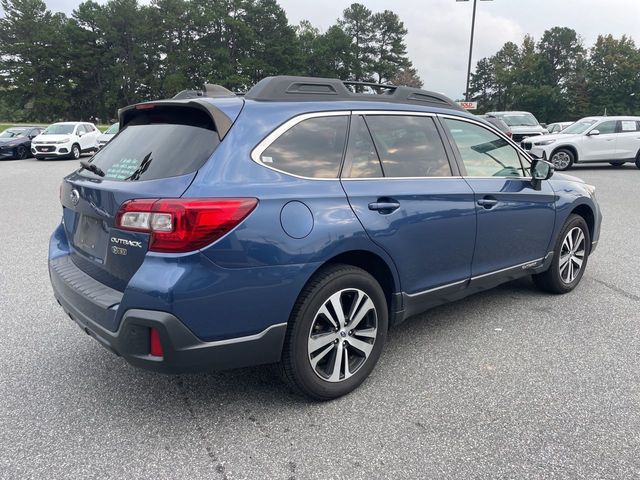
<point x="112" y="54"/>
<point x="558" y="79"/>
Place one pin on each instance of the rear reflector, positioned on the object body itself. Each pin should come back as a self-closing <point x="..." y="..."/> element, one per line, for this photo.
<point x="155" y="346"/>
<point x="183" y="225"/>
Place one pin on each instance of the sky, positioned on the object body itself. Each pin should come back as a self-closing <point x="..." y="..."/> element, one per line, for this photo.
<point x="439" y="30"/>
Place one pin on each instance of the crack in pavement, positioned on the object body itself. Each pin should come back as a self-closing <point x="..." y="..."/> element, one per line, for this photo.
<point x="219" y="467"/>
<point x="619" y="290"/>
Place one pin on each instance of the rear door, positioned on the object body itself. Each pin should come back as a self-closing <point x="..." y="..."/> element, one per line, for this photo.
<point x="400" y="184"/>
<point x="601" y="147"/>
<point x="515" y="221"/>
<point x="156" y="155"/>
<point x="628" y="143"/>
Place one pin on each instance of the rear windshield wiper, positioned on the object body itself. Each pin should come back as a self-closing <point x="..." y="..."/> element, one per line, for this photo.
<point x="92" y="168"/>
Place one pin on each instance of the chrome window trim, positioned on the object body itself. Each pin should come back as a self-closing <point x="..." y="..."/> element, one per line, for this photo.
<point x="259" y="149"/>
<point x="350" y="179"/>
<point x="403" y="113"/>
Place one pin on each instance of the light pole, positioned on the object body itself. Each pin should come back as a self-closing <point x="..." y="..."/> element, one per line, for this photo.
<point x="473" y="27"/>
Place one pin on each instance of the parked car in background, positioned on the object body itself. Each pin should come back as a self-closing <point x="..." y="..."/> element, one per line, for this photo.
<point x="558" y="127"/>
<point x="292" y="226"/>
<point x="65" y="140"/>
<point x="592" y="139"/>
<point x="108" y="135"/>
<point x="521" y="124"/>
<point x="499" y="124"/>
<point x="15" y="142"/>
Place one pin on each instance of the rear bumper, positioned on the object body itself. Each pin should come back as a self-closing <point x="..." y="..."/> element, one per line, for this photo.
<point x="183" y="352"/>
<point x="89" y="303"/>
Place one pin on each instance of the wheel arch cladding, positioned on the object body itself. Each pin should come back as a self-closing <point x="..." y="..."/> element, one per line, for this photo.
<point x="571" y="148"/>
<point x="586" y="212"/>
<point x="373" y="264"/>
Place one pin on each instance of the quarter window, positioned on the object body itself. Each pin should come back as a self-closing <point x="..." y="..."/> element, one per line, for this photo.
<point x="409" y="146"/>
<point x="361" y="160"/>
<point x="483" y="153"/>
<point x="312" y="148"/>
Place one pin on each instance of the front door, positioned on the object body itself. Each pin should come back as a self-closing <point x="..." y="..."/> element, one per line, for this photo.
<point x="515" y="221"/>
<point x="400" y="186"/>
<point x="601" y="147"/>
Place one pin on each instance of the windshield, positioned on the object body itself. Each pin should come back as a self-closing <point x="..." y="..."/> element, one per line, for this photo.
<point x="12" y="133"/>
<point x="113" y="129"/>
<point x="59" y="129"/>
<point x="149" y="152"/>
<point x="579" y="127"/>
<point x="518" y="119"/>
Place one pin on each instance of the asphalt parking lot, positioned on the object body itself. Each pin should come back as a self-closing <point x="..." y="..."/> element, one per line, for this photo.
<point x="509" y="383"/>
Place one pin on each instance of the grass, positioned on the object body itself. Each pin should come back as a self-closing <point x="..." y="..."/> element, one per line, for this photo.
<point x="4" y="126"/>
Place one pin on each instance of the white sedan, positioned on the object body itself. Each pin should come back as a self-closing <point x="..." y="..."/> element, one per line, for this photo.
<point x="65" y="140"/>
<point x="615" y="140"/>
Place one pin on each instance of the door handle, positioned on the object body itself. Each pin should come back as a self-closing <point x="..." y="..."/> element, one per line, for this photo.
<point x="384" y="206"/>
<point x="487" y="202"/>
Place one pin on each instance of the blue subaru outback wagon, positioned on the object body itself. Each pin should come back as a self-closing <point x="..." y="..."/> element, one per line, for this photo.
<point x="298" y="223"/>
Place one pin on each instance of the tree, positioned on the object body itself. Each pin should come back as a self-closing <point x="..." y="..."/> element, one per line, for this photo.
<point x="407" y="77"/>
<point x="388" y="46"/>
<point x="357" y="23"/>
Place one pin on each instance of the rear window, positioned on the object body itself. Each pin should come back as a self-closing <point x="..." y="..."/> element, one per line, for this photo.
<point x="158" y="143"/>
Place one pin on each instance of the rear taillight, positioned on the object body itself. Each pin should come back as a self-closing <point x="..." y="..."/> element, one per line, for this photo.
<point x="183" y="225"/>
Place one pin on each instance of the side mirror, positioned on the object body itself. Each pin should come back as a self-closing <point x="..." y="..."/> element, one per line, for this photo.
<point x="593" y="132"/>
<point x="540" y="170"/>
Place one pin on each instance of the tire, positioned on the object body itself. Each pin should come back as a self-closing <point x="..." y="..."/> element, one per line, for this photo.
<point x="563" y="159"/>
<point x="313" y="356"/>
<point x="21" y="152"/>
<point x="75" y="152"/>
<point x="558" y="278"/>
<point x="616" y="164"/>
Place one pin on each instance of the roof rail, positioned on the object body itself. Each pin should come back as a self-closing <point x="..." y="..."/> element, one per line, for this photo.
<point x="300" y="89"/>
<point x="210" y="90"/>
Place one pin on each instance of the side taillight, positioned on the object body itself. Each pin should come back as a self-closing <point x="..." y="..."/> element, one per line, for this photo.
<point x="183" y="225"/>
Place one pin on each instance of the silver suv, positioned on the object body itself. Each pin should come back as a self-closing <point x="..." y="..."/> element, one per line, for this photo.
<point x="521" y="124"/>
<point x="593" y="139"/>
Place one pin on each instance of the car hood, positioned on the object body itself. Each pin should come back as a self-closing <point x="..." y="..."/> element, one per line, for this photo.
<point x="527" y="129"/>
<point x="51" y="138"/>
<point x="554" y="136"/>
<point x="10" y="141"/>
<point x="566" y="178"/>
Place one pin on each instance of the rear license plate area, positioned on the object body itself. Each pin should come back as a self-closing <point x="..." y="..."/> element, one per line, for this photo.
<point x="89" y="236"/>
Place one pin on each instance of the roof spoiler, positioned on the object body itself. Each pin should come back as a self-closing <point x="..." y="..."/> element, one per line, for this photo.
<point x="221" y="121"/>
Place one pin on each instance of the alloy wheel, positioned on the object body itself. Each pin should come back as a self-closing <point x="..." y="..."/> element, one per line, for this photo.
<point x="561" y="160"/>
<point x="342" y="335"/>
<point x="572" y="255"/>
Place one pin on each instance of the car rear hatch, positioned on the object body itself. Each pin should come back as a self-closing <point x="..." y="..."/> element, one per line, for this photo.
<point x="156" y="154"/>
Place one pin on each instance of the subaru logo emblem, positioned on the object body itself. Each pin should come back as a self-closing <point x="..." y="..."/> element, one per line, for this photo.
<point x="75" y="196"/>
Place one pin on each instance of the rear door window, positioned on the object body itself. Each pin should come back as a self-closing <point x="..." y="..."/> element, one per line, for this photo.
<point x="158" y="143"/>
<point x="409" y="146"/>
<point x="312" y="148"/>
<point x="361" y="160"/>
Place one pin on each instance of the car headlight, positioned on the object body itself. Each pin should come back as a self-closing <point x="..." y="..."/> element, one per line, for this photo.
<point x="544" y="142"/>
<point x="64" y="140"/>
